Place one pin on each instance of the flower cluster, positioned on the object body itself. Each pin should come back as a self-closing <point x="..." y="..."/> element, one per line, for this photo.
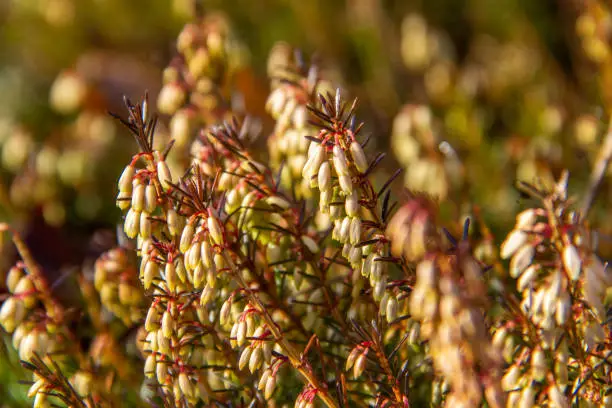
<point x="562" y="286"/>
<point x="117" y="282"/>
<point x="432" y="165"/>
<point x="337" y="166"/>
<point x="447" y="301"/>
<point x="294" y="87"/>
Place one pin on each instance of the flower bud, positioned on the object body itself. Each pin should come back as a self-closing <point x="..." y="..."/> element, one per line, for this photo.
<point x="270" y="386"/>
<point x="82" y="382"/>
<point x="350" y="360"/>
<point x="346" y="184"/>
<point x="538" y="364"/>
<point x="182" y="126"/>
<point x="359" y="158"/>
<point x="36" y="387"/>
<point x="521" y="260"/>
<point x="192" y="257"/>
<point x="572" y="262"/>
<point x="226" y="312"/>
<point x="138" y="197"/>
<point x="526" y="219"/>
<point x="163" y="342"/>
<point x="145" y="226"/>
<point x="598" y="269"/>
<point x="199" y="63"/>
<point x="13" y="277"/>
<point x="256" y="359"/>
<point x="167" y="324"/>
<point x="185" y="385"/>
<point x="264" y="378"/>
<point x="335" y="212"/>
<point x="366" y="269"/>
<point x="276" y="102"/>
<point x="298" y="278"/>
<point x="170" y="98"/>
<point x="316" y="157"/>
<point x="510" y="380"/>
<point x="199" y="276"/>
<point x="218" y="262"/>
<point x="310" y="243"/>
<point x="241" y="334"/>
<point x="150" y="344"/>
<point x="211" y="275"/>
<point x="339" y="160"/>
<point x="29" y="345"/>
<point x="527" y="398"/>
<point x="355" y="231"/>
<point x="215" y="43"/>
<point x="151" y="272"/>
<point x="124" y="200"/>
<point x="172" y="279"/>
<point x="152" y="320"/>
<point x="273" y="253"/>
<point x="500" y="337"/>
<point x="149" y="366"/>
<point x="278" y="201"/>
<point x="379" y="289"/>
<point x="284" y="118"/>
<point x="300" y="117"/>
<point x="382" y="307"/>
<point x="206" y="253"/>
<point x="355" y="256"/>
<point x="360" y="365"/>
<point x="344" y="230"/>
<point x="561" y="372"/>
<point x="527" y="277"/>
<point x="131" y="223"/>
<point x="324" y="201"/>
<point x="203" y="391"/>
<point x="563" y="309"/>
<point x="12" y="313"/>
<point x="513" y="242"/>
<point x="426" y="273"/>
<point x="245" y="357"/>
<point x="225" y="182"/>
<point x="161" y="372"/>
<point x="26" y="291"/>
<point x="324" y="177"/>
<point x="346" y="250"/>
<point x="41" y="400"/>
<point x="392" y="308"/>
<point x="351" y="205"/>
<point x="186" y="237"/>
<point x="150" y="198"/>
<point x="18" y="335"/>
<point x="556" y="397"/>
<point x="68" y="92"/>
<point x="214" y="228"/>
<point x="164" y="175"/>
<point x="593" y="334"/>
<point x="174" y="222"/>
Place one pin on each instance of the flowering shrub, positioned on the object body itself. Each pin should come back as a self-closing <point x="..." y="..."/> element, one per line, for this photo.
<point x="301" y="279"/>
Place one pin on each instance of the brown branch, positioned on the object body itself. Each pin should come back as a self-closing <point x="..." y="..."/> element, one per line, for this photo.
<point x="295" y="358"/>
<point x="599" y="169"/>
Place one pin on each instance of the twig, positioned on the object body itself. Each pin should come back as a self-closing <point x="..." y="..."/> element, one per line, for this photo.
<point x="54" y="310"/>
<point x="603" y="159"/>
<point x="295" y="358"/>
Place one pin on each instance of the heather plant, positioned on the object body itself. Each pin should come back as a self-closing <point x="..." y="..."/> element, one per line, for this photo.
<point x="302" y="275"/>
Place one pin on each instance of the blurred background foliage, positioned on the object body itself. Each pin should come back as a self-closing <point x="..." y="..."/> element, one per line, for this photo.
<point x="469" y="96"/>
